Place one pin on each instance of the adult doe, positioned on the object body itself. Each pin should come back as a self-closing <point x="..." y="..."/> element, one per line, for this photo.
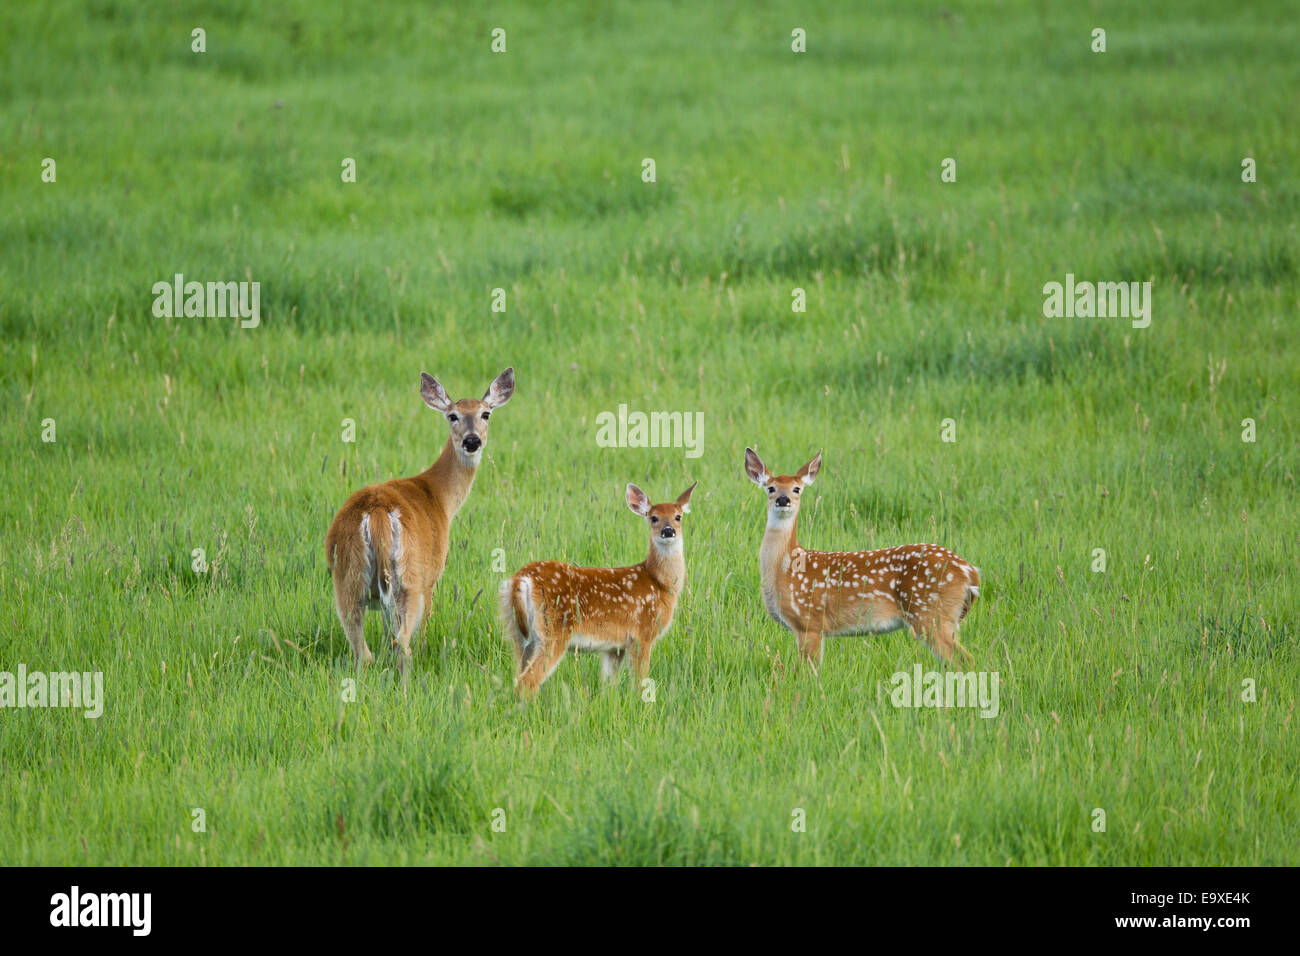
<point x="817" y="593"/>
<point x="549" y="607"/>
<point x="387" y="546"/>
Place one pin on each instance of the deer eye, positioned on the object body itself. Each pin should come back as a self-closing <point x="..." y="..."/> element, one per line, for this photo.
<point x="486" y="416"/>
<point x="771" y="490"/>
<point x="453" y="417"/>
<point x="654" y="519"/>
<point x="796" y="491"/>
<point x="677" y="518"/>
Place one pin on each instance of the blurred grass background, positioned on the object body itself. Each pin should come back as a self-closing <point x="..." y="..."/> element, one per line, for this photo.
<point x="1120" y="690"/>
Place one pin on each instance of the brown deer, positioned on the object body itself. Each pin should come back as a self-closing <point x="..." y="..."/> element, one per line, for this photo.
<point x="387" y="546"/>
<point x="549" y="607"/>
<point x="817" y="593"/>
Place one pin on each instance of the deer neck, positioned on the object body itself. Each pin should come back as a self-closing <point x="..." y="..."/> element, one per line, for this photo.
<point x="449" y="479"/>
<point x="666" y="568"/>
<point x="779" y="541"/>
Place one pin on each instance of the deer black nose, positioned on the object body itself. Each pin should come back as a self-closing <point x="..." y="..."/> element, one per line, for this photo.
<point x="668" y="532"/>
<point x="472" y="443"/>
<point x="783" y="501"/>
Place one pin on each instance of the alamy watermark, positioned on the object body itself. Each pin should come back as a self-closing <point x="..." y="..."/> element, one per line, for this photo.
<point x="53" y="689"/>
<point x="1100" y="300"/>
<point x="128" y="910"/>
<point x="210" y="300"/>
<point x="949" y="689"/>
<point x="626" y="429"/>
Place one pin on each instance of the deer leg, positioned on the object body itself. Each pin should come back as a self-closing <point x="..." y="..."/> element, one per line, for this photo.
<point x="936" y="634"/>
<point x="355" y="628"/>
<point x="352" y="615"/>
<point x="408" y="611"/>
<point x="547" y="654"/>
<point x="935" y="624"/>
<point x="967" y="599"/>
<point x="963" y="656"/>
<point x="810" y="647"/>
<point x="640" y="650"/>
<point x="610" y="662"/>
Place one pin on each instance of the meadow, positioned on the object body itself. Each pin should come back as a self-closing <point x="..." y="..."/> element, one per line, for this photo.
<point x="1160" y="690"/>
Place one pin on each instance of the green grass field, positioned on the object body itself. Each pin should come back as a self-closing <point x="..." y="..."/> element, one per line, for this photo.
<point x="1121" y="690"/>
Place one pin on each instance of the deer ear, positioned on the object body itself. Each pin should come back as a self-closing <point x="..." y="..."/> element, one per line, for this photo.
<point x="684" y="499"/>
<point x="434" y="395"/>
<point x="809" y="471"/>
<point x="502" y="387"/>
<point x="755" y="468"/>
<point x="637" y="500"/>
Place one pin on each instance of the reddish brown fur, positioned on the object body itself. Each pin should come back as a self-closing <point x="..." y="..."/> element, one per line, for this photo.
<point x="815" y="593"/>
<point x="425" y="505"/>
<point x="549" y="607"/>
